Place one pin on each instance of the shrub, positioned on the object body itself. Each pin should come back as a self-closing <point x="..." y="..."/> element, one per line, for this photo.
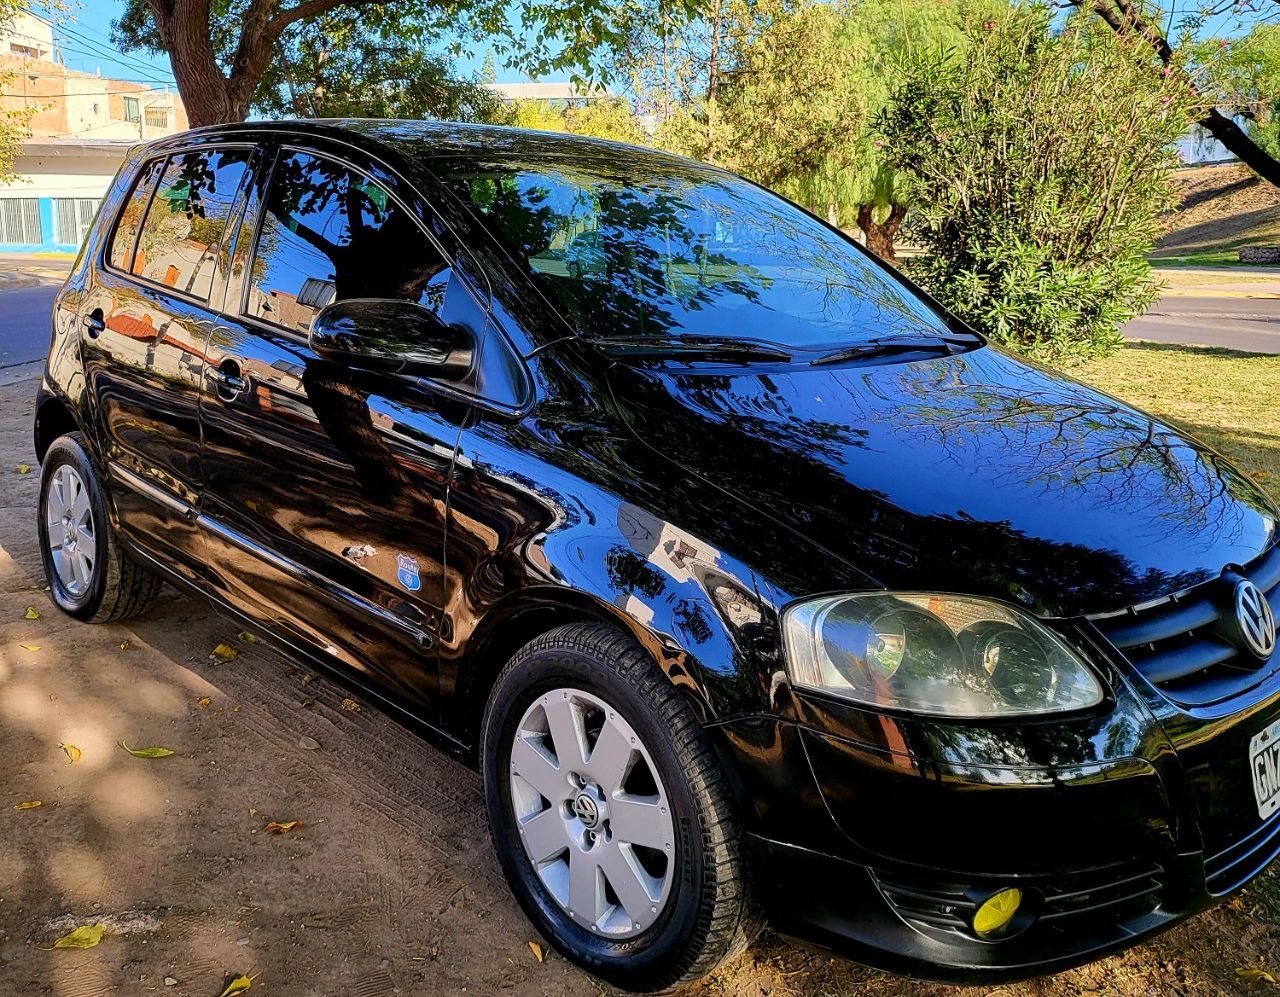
<point x="1039" y="164"/>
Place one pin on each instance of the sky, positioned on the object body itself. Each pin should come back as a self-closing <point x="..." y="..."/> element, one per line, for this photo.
<point x="86" y="32"/>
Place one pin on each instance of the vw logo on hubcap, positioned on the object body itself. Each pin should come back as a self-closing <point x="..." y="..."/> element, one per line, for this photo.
<point x="1254" y="617"/>
<point x="585" y="809"/>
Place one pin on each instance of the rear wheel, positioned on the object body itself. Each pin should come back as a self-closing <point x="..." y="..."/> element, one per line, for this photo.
<point x="89" y="574"/>
<point x="609" y="812"/>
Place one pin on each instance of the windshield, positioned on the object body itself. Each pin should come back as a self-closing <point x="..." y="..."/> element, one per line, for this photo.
<point x="661" y="249"/>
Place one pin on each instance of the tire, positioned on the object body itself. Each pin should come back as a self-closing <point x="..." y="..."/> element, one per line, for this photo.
<point x="90" y="576"/>
<point x="703" y="913"/>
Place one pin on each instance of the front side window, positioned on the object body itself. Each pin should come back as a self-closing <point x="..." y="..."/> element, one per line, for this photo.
<point x="182" y="234"/>
<point x="330" y="233"/>
<point x="663" y="249"/>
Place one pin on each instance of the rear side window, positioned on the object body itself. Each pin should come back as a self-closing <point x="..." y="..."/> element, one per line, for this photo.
<point x="126" y="233"/>
<point x="185" y="221"/>
<point x="330" y="233"/>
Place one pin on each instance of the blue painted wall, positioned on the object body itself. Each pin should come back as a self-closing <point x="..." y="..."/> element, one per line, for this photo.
<point x="48" y="230"/>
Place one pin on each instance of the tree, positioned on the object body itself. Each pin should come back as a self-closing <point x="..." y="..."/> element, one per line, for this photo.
<point x="1135" y="22"/>
<point x="334" y="66"/>
<point x="1244" y="79"/>
<point x="13" y="124"/>
<point x="1039" y="164"/>
<point x="220" y="50"/>
<point x="609" y="117"/>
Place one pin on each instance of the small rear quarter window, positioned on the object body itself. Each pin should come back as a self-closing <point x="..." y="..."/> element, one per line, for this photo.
<point x="126" y="233"/>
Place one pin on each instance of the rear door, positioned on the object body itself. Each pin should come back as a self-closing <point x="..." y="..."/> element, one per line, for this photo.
<point x="324" y="507"/>
<point x="144" y="322"/>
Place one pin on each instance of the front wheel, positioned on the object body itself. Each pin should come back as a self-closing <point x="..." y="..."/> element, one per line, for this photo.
<point x="610" y="814"/>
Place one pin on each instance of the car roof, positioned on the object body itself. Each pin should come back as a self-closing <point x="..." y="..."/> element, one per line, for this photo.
<point x="424" y="142"/>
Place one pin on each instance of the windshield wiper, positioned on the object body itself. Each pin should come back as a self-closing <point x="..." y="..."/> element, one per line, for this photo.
<point x="898" y="345"/>
<point x="693" y="347"/>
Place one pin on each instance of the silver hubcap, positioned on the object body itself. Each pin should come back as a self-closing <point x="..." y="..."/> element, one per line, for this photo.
<point x="72" y="538"/>
<point x="592" y="813"/>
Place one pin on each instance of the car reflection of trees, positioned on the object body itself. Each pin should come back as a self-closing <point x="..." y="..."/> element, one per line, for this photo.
<point x="1062" y="436"/>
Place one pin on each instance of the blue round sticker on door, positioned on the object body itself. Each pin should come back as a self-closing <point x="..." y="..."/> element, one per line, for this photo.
<point x="407" y="572"/>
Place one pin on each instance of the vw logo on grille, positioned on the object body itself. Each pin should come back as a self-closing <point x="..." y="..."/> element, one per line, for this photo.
<point x="1254" y="617"/>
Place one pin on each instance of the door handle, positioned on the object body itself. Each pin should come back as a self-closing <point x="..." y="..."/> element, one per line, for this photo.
<point x="228" y="381"/>
<point x="94" y="323"/>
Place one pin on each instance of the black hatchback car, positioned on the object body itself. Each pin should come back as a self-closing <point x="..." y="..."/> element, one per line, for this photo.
<point x="755" y="584"/>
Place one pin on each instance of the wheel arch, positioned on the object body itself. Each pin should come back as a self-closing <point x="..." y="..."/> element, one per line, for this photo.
<point x="525" y="615"/>
<point x="55" y="417"/>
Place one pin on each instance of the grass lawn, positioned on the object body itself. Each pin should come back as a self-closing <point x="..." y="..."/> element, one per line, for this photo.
<point x="1225" y="398"/>
<point x="1201" y="258"/>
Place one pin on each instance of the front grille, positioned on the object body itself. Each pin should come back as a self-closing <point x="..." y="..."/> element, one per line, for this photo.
<point x="1118" y="892"/>
<point x="1238" y="863"/>
<point x="1174" y="643"/>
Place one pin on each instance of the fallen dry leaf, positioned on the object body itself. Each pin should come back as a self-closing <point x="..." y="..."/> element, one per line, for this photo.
<point x="308" y="743"/>
<point x="147" y="752"/>
<point x="223" y="652"/>
<point x="351" y="706"/>
<point x="538" y="952"/>
<point x="73" y="753"/>
<point x="31" y="614"/>
<point x="24" y="468"/>
<point x="204" y="702"/>
<point x="30" y="647"/>
<point x="282" y="827"/>
<point x="247" y="637"/>
<point x="236" y="985"/>
<point x="29" y="805"/>
<point x="123" y="645"/>
<point x="307" y="678"/>
<point x="170" y="981"/>
<point x="84" y="937"/>
<point x="1253" y="976"/>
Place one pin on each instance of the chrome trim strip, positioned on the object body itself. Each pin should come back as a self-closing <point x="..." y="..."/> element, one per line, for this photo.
<point x="140" y="484"/>
<point x="305" y="575"/>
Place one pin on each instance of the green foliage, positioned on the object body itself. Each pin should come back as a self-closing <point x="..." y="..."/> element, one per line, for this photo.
<point x="605" y="117"/>
<point x="1039" y="163"/>
<point x="337" y="67"/>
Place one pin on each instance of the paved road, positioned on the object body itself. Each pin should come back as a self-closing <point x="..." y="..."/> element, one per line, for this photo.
<point x="1238" y="323"/>
<point x="24" y="323"/>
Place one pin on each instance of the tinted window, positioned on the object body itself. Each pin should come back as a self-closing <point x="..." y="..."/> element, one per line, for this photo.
<point x="330" y="233"/>
<point x="126" y="232"/>
<point x="183" y="231"/>
<point x="666" y="250"/>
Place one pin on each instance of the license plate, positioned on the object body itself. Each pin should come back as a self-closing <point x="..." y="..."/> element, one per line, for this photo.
<point x="1264" y="763"/>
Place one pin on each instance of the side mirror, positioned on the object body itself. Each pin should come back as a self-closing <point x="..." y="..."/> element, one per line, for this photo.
<point x="397" y="337"/>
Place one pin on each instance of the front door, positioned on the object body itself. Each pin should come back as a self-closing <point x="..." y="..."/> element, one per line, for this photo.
<point x="144" y="321"/>
<point x="324" y="507"/>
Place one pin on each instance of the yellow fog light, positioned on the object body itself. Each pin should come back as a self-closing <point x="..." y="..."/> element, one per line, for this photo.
<point x="996" y="912"/>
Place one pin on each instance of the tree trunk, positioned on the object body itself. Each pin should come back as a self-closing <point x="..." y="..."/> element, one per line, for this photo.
<point x="880" y="235"/>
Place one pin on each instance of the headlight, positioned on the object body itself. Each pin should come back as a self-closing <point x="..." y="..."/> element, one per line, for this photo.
<point x="945" y="655"/>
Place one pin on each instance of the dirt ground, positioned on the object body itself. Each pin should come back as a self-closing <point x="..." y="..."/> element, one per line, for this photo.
<point x="388" y="887"/>
<point x="1222" y="207"/>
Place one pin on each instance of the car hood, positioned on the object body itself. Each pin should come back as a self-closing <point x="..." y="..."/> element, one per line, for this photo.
<point x="975" y="473"/>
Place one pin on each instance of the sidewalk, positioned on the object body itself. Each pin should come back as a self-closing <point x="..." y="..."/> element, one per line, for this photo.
<point x="28" y="271"/>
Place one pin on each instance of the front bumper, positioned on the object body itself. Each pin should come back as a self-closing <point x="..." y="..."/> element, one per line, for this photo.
<point x="883" y="857"/>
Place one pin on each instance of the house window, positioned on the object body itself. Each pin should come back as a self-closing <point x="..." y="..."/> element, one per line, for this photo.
<point x="72" y="219"/>
<point x="157" y="117"/>
<point x="26" y="51"/>
<point x="20" y="221"/>
<point x="132" y="112"/>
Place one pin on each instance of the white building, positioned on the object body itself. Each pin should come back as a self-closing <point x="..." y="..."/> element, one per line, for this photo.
<point x="61" y="181"/>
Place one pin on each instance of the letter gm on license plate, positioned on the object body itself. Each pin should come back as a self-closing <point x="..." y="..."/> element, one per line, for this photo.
<point x="1264" y="762"/>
